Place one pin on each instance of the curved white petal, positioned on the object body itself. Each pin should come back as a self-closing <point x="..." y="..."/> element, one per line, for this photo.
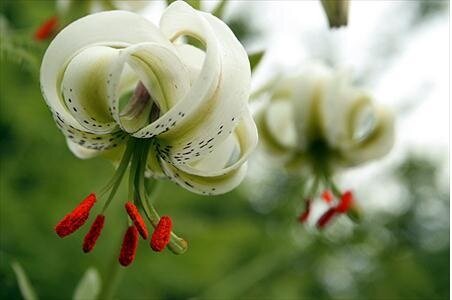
<point x="205" y="177"/>
<point x="163" y="75"/>
<point x="377" y="143"/>
<point x="84" y="88"/>
<point x="218" y="97"/>
<point x="81" y="152"/>
<point x="101" y="29"/>
<point x="280" y="123"/>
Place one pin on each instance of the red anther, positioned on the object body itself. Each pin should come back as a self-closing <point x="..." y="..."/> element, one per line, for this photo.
<point x="305" y="214"/>
<point x="93" y="234"/>
<point x="326" y="218"/>
<point x="162" y="234"/>
<point x="76" y="218"/>
<point x="47" y="29"/>
<point x="129" y="246"/>
<point x="345" y="202"/>
<point x="134" y="214"/>
<point x="327" y="196"/>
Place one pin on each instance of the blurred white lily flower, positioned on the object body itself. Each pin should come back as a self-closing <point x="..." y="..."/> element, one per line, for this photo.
<point x="317" y="123"/>
<point x="119" y="86"/>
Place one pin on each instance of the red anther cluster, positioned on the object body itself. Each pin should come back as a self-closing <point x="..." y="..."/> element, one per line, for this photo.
<point x="133" y="213"/>
<point x="305" y="214"/>
<point x="341" y="208"/>
<point x="47" y="29"/>
<point x="93" y="234"/>
<point x="162" y="234"/>
<point x="129" y="246"/>
<point x="327" y="196"/>
<point x="76" y="218"/>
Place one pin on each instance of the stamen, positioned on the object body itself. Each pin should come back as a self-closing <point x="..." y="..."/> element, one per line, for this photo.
<point x="162" y="234"/>
<point x="75" y="219"/>
<point x="305" y="214"/>
<point x="93" y="234"/>
<point x="327" y="196"/>
<point x="134" y="214"/>
<point x="345" y="202"/>
<point x="326" y="218"/>
<point x="129" y="246"/>
<point x="46" y="29"/>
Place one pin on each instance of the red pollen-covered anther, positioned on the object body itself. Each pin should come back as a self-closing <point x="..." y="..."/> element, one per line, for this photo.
<point x="134" y="214"/>
<point x="129" y="246"/>
<point x="76" y="218"/>
<point x="326" y="218"/>
<point x="93" y="234"/>
<point x="46" y="29"/>
<point x="327" y="196"/>
<point x="345" y="202"/>
<point x="305" y="214"/>
<point x="162" y="234"/>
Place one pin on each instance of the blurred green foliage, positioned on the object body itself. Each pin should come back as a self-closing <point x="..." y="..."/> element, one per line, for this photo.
<point x="236" y="251"/>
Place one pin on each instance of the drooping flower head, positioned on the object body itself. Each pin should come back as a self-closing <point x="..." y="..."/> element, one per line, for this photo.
<point x="120" y="87"/>
<point x="318" y="123"/>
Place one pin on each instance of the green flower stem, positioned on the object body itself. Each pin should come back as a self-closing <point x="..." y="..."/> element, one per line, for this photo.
<point x="112" y="279"/>
<point x="336" y="191"/>
<point x="119" y="175"/>
<point x="177" y="245"/>
<point x="314" y="187"/>
<point x="121" y="168"/>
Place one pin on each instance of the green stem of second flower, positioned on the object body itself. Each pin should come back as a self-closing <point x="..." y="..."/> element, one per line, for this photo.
<point x="314" y="187"/>
<point x="336" y="191"/>
<point x="177" y="245"/>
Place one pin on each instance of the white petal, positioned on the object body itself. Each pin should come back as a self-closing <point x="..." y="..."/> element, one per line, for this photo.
<point x="224" y="175"/>
<point x="192" y="58"/>
<point x="84" y="88"/>
<point x="164" y="76"/>
<point x="280" y="123"/>
<point x="377" y="143"/>
<point x="307" y="97"/>
<point x="81" y="152"/>
<point x="217" y="99"/>
<point x="101" y="29"/>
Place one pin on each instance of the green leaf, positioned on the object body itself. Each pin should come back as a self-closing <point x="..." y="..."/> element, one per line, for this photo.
<point x="255" y="58"/>
<point x="218" y="11"/>
<point x="89" y="286"/>
<point x="25" y="287"/>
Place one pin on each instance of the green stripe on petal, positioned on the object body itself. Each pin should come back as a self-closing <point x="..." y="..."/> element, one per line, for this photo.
<point x="84" y="88"/>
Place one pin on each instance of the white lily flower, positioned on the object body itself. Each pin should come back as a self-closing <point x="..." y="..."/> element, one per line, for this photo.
<point x="319" y="120"/>
<point x="119" y="86"/>
<point x="317" y="123"/>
